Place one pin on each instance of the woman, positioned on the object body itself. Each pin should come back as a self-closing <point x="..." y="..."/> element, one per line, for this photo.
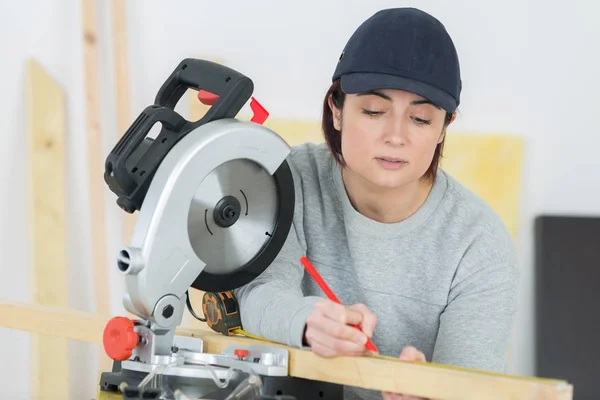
<point x="425" y="267"/>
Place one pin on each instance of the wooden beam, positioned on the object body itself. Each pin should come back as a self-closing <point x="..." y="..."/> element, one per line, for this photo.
<point x="53" y="321"/>
<point x="46" y="220"/>
<point x="95" y="164"/>
<point x="377" y="373"/>
<point x="427" y="380"/>
<point x="123" y="93"/>
<point x="95" y="157"/>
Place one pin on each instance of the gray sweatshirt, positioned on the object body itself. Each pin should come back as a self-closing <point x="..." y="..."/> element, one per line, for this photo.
<point x="444" y="280"/>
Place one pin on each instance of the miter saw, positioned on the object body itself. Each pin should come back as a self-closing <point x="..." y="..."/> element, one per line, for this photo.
<point x="215" y="199"/>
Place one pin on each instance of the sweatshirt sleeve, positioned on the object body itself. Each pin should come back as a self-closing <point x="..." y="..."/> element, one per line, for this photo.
<point x="273" y="305"/>
<point x="476" y="324"/>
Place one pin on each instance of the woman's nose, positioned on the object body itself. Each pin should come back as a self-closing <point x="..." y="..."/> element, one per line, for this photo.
<point x="395" y="133"/>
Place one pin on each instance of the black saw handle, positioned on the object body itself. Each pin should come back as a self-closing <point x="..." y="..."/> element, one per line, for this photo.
<point x="131" y="165"/>
<point x="233" y="88"/>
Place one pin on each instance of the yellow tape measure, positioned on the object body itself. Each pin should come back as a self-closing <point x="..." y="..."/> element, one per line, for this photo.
<point x="222" y="314"/>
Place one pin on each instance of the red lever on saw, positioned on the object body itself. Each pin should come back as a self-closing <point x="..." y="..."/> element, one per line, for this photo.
<point x="120" y="338"/>
<point x="260" y="114"/>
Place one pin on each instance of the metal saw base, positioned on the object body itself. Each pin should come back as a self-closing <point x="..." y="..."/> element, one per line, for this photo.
<point x="273" y="387"/>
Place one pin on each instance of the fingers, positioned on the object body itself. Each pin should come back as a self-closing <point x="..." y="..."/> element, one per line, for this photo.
<point x="334" y="319"/>
<point x="410" y="353"/>
<point x="329" y="333"/>
<point x="320" y="327"/>
<point x="368" y="319"/>
<point x="338" y="312"/>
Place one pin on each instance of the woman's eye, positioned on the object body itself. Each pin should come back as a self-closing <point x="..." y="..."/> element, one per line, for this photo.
<point x="422" y="121"/>
<point x="371" y="112"/>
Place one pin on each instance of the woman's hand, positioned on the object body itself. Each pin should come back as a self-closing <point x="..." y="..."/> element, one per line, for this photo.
<point x="328" y="331"/>
<point x="409" y="353"/>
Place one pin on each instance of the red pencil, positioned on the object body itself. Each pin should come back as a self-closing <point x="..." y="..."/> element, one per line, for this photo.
<point x="321" y="282"/>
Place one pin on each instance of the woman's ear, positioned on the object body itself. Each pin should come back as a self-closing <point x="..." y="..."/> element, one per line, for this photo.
<point x="336" y="114"/>
<point x="442" y="136"/>
<point x="453" y="118"/>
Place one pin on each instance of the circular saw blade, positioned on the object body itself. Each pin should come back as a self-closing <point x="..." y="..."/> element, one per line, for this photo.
<point x="226" y="249"/>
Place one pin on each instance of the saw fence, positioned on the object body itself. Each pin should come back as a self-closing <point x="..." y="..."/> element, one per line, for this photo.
<point x="377" y="373"/>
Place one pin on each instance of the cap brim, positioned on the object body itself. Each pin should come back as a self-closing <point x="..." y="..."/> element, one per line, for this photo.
<point x="361" y="82"/>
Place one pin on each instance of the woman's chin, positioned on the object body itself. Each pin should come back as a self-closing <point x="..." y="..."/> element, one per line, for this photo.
<point x="387" y="182"/>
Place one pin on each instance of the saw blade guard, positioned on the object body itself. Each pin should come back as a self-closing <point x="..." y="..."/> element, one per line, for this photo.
<point x="216" y="214"/>
<point x="215" y="207"/>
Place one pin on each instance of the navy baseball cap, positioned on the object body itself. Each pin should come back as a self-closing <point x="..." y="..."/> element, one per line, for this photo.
<point x="406" y="49"/>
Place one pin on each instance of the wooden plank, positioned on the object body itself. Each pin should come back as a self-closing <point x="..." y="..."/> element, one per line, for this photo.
<point x="416" y="378"/>
<point x="46" y="221"/>
<point x="123" y="92"/>
<point x="95" y="164"/>
<point x="378" y="373"/>
<point x="53" y="321"/>
<point x="100" y="395"/>
<point x="491" y="166"/>
<point x="95" y="157"/>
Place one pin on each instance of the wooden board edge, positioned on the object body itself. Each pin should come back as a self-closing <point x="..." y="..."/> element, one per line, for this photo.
<point x="122" y="92"/>
<point x="98" y="227"/>
<point x="96" y="164"/>
<point x="46" y="130"/>
<point x="388" y="374"/>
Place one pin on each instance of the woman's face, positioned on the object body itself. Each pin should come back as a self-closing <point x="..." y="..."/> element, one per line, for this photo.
<point x="389" y="136"/>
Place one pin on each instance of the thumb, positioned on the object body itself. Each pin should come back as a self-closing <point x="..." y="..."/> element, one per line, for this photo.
<point x="368" y="319"/>
<point x="410" y="353"/>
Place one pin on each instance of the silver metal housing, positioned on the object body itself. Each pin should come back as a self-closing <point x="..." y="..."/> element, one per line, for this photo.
<point x="160" y="265"/>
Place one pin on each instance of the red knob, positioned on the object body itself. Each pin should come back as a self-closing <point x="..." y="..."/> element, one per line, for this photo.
<point x="241" y="353"/>
<point x="120" y="338"/>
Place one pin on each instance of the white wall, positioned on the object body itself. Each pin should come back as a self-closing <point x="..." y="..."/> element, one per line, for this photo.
<point x="528" y="69"/>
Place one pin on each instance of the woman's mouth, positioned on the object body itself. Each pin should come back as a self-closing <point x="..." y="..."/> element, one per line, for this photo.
<point x="391" y="162"/>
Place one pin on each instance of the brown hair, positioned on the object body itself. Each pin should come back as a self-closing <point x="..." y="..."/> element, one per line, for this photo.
<point x="334" y="139"/>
